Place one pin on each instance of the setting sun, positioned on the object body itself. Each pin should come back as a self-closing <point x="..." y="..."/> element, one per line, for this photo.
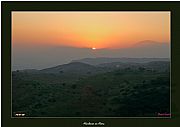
<point x="93" y="48"/>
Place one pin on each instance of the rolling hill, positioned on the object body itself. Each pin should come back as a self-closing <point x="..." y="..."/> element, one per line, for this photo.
<point x="73" y="67"/>
<point x="116" y="89"/>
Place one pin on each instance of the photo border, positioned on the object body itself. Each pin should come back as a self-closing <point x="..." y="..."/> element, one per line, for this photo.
<point x="7" y="7"/>
<point x="91" y="116"/>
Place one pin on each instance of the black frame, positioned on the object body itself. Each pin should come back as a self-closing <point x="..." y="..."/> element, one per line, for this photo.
<point x="6" y="9"/>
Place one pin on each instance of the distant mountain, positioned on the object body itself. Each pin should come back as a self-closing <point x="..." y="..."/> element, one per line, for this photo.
<point x="151" y="48"/>
<point x="149" y="43"/>
<point x="146" y="49"/>
<point x="73" y="67"/>
<point x="38" y="58"/>
<point x="103" y="60"/>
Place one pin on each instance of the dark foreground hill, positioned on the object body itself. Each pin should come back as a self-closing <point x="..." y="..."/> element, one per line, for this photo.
<point x="106" y="90"/>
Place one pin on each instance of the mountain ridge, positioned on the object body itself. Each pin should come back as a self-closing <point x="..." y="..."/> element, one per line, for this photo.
<point x="101" y="60"/>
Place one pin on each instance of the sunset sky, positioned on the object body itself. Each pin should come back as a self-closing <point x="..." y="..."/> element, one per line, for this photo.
<point x="89" y="29"/>
<point x="46" y="39"/>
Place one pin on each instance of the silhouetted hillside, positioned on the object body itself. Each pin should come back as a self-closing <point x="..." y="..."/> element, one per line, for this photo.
<point x="74" y="67"/>
<point x="124" y="89"/>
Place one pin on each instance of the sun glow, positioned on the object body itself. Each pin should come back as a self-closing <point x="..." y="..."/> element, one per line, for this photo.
<point x="95" y="30"/>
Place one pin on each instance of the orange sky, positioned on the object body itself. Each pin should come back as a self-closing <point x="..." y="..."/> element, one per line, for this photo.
<point x="89" y="29"/>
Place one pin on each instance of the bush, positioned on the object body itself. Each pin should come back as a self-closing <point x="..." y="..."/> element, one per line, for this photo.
<point x="74" y="86"/>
